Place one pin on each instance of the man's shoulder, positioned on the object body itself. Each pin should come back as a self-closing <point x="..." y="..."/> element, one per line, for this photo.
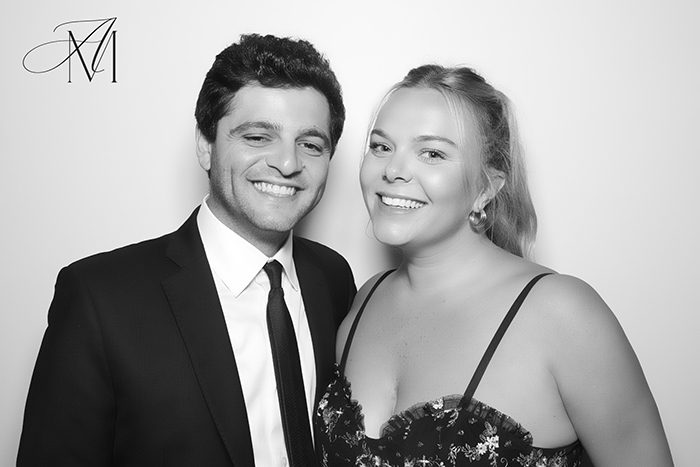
<point x="317" y="252"/>
<point x="141" y="256"/>
<point x="327" y="260"/>
<point x="126" y="253"/>
<point x="139" y="259"/>
<point x="329" y="267"/>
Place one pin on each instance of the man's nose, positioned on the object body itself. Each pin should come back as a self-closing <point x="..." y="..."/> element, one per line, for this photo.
<point x="285" y="159"/>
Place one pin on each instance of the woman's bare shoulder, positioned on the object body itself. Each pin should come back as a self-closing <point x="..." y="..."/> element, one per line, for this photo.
<point x="569" y="303"/>
<point x="577" y="331"/>
<point x="598" y="375"/>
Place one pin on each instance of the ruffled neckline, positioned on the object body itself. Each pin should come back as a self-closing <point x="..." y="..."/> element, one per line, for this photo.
<point x="447" y="407"/>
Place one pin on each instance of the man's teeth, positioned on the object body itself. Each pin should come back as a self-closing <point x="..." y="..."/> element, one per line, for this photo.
<point x="279" y="190"/>
<point x="402" y="203"/>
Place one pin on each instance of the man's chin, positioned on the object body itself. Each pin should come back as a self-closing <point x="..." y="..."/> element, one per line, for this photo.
<point x="277" y="225"/>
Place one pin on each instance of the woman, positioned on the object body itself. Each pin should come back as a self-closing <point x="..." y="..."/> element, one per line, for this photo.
<point x="436" y="379"/>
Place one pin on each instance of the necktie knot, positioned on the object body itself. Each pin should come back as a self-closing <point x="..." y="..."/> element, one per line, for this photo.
<point x="273" y="269"/>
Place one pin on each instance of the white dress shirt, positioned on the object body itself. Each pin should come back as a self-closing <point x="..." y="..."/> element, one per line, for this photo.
<point x="243" y="287"/>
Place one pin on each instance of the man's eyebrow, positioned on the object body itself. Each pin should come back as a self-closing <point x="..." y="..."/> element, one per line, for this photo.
<point x="423" y="138"/>
<point x="245" y="126"/>
<point x="318" y="134"/>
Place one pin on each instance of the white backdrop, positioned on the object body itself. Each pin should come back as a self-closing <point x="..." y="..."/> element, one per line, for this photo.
<point x="606" y="94"/>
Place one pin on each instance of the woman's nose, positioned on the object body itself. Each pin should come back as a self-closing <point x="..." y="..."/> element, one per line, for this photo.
<point x="397" y="169"/>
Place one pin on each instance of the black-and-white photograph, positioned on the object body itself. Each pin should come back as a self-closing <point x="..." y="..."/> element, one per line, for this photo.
<point x="322" y="234"/>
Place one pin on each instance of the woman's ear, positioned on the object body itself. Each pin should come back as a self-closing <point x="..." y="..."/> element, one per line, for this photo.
<point x="495" y="181"/>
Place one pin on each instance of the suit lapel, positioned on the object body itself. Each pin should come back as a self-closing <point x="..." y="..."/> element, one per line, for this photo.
<point x="318" y="305"/>
<point x="195" y="305"/>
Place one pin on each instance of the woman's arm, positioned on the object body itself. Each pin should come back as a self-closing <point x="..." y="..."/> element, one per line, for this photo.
<point x="600" y="380"/>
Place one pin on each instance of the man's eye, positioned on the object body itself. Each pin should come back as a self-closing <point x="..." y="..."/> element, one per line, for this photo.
<point x="311" y="148"/>
<point x="256" y="139"/>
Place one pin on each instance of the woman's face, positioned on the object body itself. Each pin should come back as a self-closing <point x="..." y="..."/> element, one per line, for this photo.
<point x="420" y="174"/>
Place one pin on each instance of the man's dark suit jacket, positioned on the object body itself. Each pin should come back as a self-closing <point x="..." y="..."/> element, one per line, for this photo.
<point x="136" y="366"/>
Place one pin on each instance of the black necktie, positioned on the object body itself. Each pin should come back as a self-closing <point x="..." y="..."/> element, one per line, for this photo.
<point x="290" y="385"/>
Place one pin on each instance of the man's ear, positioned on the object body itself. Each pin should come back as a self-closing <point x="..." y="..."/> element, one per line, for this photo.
<point x="204" y="149"/>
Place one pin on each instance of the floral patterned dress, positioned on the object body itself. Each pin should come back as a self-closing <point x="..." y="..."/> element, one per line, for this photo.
<point x="452" y="431"/>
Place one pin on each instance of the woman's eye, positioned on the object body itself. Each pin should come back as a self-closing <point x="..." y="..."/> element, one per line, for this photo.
<point x="379" y="148"/>
<point x="432" y="156"/>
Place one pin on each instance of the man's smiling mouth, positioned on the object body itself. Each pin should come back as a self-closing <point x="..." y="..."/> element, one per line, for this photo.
<point x="281" y="191"/>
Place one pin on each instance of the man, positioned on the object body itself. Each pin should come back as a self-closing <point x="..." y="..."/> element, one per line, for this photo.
<point x="208" y="346"/>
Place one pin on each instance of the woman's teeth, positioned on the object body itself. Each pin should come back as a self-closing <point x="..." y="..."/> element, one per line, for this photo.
<point x="402" y="203"/>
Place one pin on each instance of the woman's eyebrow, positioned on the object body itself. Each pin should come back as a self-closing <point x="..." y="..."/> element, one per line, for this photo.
<point x="423" y="138"/>
<point x="379" y="132"/>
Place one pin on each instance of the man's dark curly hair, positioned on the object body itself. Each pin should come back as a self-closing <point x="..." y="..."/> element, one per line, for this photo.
<point x="272" y="62"/>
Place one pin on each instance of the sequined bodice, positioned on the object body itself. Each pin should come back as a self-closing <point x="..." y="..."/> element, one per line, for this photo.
<point x="451" y="431"/>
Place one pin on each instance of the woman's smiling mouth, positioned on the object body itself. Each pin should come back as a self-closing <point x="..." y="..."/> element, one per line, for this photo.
<point x="401" y="203"/>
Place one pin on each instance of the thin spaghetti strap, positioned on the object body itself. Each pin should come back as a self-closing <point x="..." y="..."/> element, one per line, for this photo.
<point x="491" y="349"/>
<point x="351" y="334"/>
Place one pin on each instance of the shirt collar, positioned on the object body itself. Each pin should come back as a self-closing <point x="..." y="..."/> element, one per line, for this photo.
<point x="233" y="258"/>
